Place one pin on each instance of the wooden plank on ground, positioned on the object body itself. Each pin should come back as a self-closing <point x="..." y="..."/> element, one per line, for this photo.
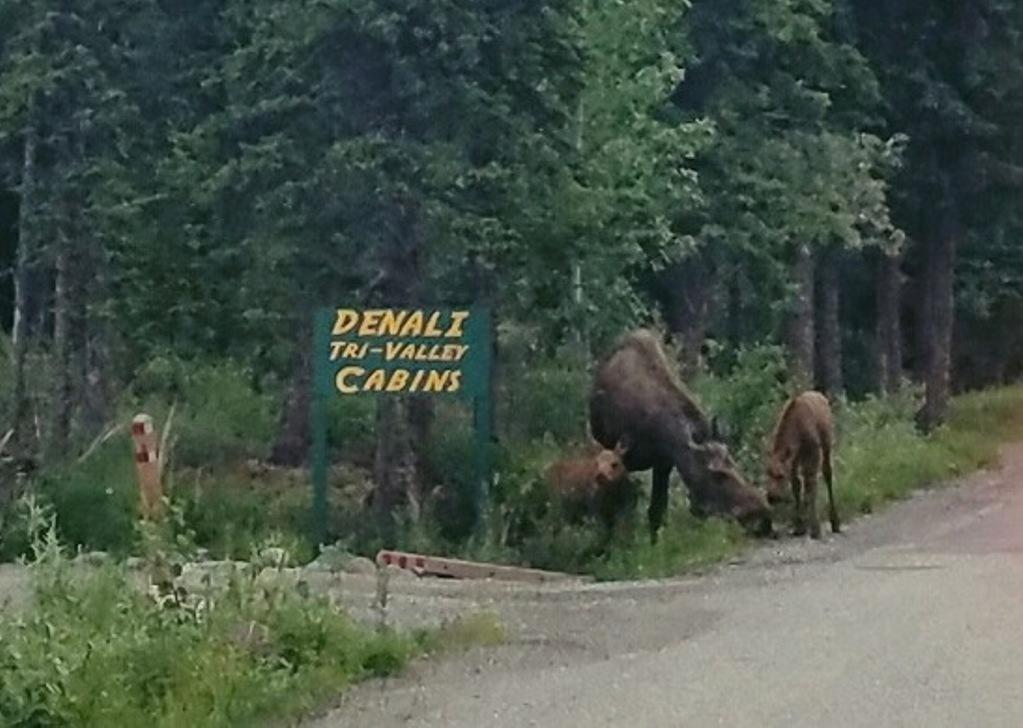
<point x="424" y="565"/>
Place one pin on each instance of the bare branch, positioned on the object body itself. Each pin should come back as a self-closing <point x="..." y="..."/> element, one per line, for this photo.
<point x="99" y="441"/>
<point x="162" y="453"/>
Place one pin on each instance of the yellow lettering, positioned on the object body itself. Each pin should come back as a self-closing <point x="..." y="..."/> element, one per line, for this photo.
<point x="417" y="380"/>
<point x="413" y="325"/>
<point x="370" y="323"/>
<point x="459" y="352"/>
<point x="376" y="381"/>
<point x="436" y="381"/>
<point x="455" y="382"/>
<point x="390" y="323"/>
<point x="431" y="325"/>
<point x="422" y="353"/>
<point x="352" y="351"/>
<point x="457" y="320"/>
<point x="341" y="380"/>
<point x="409" y="352"/>
<point x="391" y="350"/>
<point x="345" y="321"/>
<point x="335" y="349"/>
<point x="398" y="381"/>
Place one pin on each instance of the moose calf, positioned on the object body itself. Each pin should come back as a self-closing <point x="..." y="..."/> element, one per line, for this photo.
<point x="595" y="484"/>
<point x="800" y="449"/>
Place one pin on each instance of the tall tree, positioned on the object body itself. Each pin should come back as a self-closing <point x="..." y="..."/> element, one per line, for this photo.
<point x="363" y="151"/>
<point x="64" y="70"/>
<point x="949" y="71"/>
<point x="789" y="171"/>
<point x="888" y="329"/>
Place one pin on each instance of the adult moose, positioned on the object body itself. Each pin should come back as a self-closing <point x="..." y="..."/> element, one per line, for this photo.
<point x="800" y="449"/>
<point x="636" y="397"/>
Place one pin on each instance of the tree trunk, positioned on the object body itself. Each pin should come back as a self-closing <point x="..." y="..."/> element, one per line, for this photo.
<point x="687" y="289"/>
<point x="22" y="441"/>
<point x="919" y="295"/>
<point x="421" y="415"/>
<point x="888" y="336"/>
<point x="291" y="447"/>
<point x="62" y="308"/>
<point x="401" y="428"/>
<point x="736" y="320"/>
<point x="799" y="336"/>
<point x="941" y="309"/>
<point x="394" y="466"/>
<point x="92" y="347"/>
<point x="96" y="398"/>
<point x="829" y="329"/>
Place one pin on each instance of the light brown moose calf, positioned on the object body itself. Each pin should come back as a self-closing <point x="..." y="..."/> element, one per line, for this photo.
<point x="595" y="484"/>
<point x="801" y="448"/>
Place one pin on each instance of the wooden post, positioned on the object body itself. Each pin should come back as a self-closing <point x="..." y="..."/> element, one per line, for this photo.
<point x="318" y="424"/>
<point x="148" y="467"/>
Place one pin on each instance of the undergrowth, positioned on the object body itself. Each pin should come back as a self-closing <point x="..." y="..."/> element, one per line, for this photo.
<point x="96" y="650"/>
<point x="880" y="456"/>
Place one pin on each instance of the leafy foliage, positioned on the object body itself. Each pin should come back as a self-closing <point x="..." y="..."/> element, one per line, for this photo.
<point x="96" y="650"/>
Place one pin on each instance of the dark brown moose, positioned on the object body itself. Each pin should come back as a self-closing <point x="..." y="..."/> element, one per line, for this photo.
<point x="637" y="396"/>
<point x="800" y="449"/>
<point x="593" y="484"/>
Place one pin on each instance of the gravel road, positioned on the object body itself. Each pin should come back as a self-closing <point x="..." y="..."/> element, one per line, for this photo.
<point x="911" y="618"/>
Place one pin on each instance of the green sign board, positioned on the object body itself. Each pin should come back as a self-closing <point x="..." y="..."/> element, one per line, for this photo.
<point x="409" y="351"/>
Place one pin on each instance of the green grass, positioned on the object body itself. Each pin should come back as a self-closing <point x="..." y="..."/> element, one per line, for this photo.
<point x="685" y="545"/>
<point x="884" y="459"/>
<point x="97" y="651"/>
<point x="880" y="457"/>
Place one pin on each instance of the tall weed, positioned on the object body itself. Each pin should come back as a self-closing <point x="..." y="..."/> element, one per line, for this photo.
<point x="97" y="651"/>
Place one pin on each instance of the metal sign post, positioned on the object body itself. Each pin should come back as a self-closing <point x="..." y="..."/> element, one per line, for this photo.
<point x="424" y="351"/>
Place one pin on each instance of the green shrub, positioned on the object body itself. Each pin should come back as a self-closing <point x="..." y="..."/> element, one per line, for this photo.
<point x="351" y="427"/>
<point x="229" y="516"/>
<point x="221" y="416"/>
<point x="747" y="399"/>
<point x="95" y="502"/>
<point x="96" y="651"/>
<point x="546" y="397"/>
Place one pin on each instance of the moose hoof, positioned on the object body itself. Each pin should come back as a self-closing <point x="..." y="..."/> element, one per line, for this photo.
<point x="799" y="530"/>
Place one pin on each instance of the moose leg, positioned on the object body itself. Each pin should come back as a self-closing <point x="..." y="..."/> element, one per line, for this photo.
<point x="826" y="466"/>
<point x="658" y="500"/>
<point x="799" y="518"/>
<point x="810" y="495"/>
<point x="607" y="515"/>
